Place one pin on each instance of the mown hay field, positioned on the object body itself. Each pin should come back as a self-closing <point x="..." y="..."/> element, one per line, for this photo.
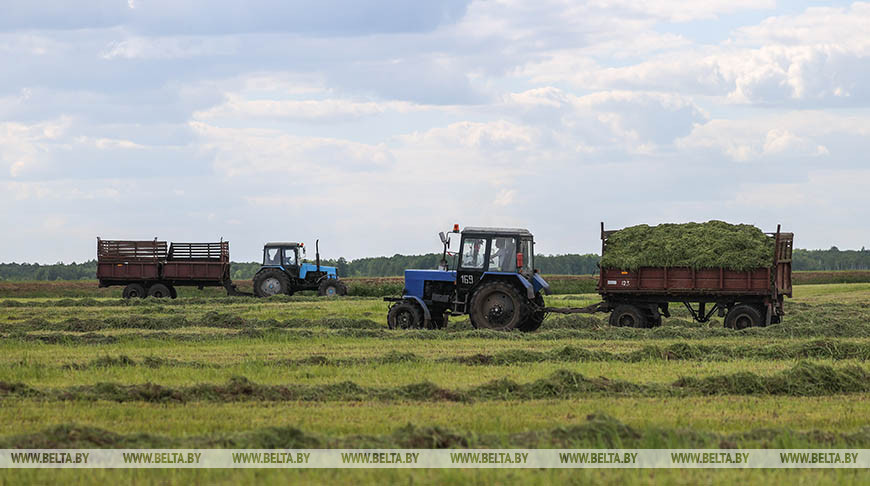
<point x="298" y="372"/>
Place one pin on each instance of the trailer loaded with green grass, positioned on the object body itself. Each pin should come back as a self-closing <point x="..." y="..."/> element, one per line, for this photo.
<point x="737" y="271"/>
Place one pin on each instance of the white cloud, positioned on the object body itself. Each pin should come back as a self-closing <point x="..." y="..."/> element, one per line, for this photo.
<point x="329" y="110"/>
<point x="681" y="11"/>
<point x="743" y="140"/>
<point x="169" y="48"/>
<point x="495" y="136"/>
<point x="258" y="152"/>
<point x="487" y="115"/>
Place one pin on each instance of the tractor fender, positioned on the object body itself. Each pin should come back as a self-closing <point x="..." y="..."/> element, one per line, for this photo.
<point x="538" y="281"/>
<point x="530" y="290"/>
<point x="427" y="316"/>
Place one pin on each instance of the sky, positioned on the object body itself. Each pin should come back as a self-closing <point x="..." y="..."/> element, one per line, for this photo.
<point x="374" y="125"/>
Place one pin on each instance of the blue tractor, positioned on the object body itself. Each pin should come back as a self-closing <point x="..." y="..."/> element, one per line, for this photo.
<point x="493" y="281"/>
<point x="285" y="271"/>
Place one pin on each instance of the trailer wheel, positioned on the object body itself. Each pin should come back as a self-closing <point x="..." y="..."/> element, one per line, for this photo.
<point x="743" y="316"/>
<point x="628" y="316"/>
<point x="158" y="291"/>
<point x="134" y="290"/>
<point x="172" y="292"/>
<point x="331" y="287"/>
<point x="497" y="306"/>
<point x="271" y="281"/>
<point x="405" y="315"/>
<point x="535" y="318"/>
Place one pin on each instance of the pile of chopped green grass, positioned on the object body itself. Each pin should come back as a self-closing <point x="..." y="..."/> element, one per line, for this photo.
<point x="712" y="244"/>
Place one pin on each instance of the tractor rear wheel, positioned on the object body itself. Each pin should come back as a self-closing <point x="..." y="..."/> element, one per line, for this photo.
<point x="743" y="316"/>
<point x="498" y="306"/>
<point x="158" y="291"/>
<point x="331" y="287"/>
<point x="536" y="317"/>
<point x="271" y="281"/>
<point x="134" y="290"/>
<point x="405" y="315"/>
<point x="628" y="316"/>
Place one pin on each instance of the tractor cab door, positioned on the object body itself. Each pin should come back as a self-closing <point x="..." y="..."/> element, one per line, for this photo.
<point x="473" y="262"/>
<point x="290" y="261"/>
<point x="503" y="255"/>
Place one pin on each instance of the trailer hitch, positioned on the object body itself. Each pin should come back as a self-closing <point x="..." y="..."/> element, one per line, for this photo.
<point x="232" y="290"/>
<point x="589" y="309"/>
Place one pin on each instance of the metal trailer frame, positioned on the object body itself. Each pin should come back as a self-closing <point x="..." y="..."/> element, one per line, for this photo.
<point x="151" y="262"/>
<point x="653" y="288"/>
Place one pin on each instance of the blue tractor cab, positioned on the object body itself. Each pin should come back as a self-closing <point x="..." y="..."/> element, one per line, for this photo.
<point x="492" y="280"/>
<point x="285" y="271"/>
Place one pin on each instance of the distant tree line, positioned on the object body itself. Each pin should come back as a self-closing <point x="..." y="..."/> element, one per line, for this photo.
<point x="571" y="264"/>
<point x="833" y="259"/>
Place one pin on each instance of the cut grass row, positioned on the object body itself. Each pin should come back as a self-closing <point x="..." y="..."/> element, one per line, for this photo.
<point x="279" y="334"/>
<point x="804" y="379"/>
<point x="817" y="349"/>
<point x="443" y="374"/>
<point x="598" y="430"/>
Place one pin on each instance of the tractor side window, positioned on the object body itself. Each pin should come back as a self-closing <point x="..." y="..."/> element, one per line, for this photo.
<point x="504" y="255"/>
<point x="473" y="252"/>
<point x="526" y="250"/>
<point x="272" y="256"/>
<point x="289" y="256"/>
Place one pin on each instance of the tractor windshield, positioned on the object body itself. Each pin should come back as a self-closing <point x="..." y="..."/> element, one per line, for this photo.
<point x="473" y="253"/>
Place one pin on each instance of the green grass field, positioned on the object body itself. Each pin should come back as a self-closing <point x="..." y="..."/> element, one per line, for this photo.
<point x="211" y="371"/>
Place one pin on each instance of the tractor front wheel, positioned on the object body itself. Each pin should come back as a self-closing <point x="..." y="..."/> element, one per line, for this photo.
<point x="405" y="315"/>
<point x="498" y="306"/>
<point x="271" y="281"/>
<point x="331" y="287"/>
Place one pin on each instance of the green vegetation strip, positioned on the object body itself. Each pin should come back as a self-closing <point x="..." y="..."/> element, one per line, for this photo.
<point x="598" y="431"/>
<point x="91" y="302"/>
<point x="712" y="244"/>
<point x="830" y="320"/>
<point x="819" y="349"/>
<point x="804" y="379"/>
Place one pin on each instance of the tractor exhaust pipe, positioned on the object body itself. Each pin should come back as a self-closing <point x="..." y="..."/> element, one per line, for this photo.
<point x="317" y="253"/>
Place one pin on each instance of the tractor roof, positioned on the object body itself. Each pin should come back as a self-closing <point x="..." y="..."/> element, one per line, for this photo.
<point x="283" y="243"/>
<point x="496" y="231"/>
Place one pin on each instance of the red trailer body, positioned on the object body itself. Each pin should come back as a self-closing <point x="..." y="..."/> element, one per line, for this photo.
<point x="150" y="268"/>
<point x="642" y="295"/>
